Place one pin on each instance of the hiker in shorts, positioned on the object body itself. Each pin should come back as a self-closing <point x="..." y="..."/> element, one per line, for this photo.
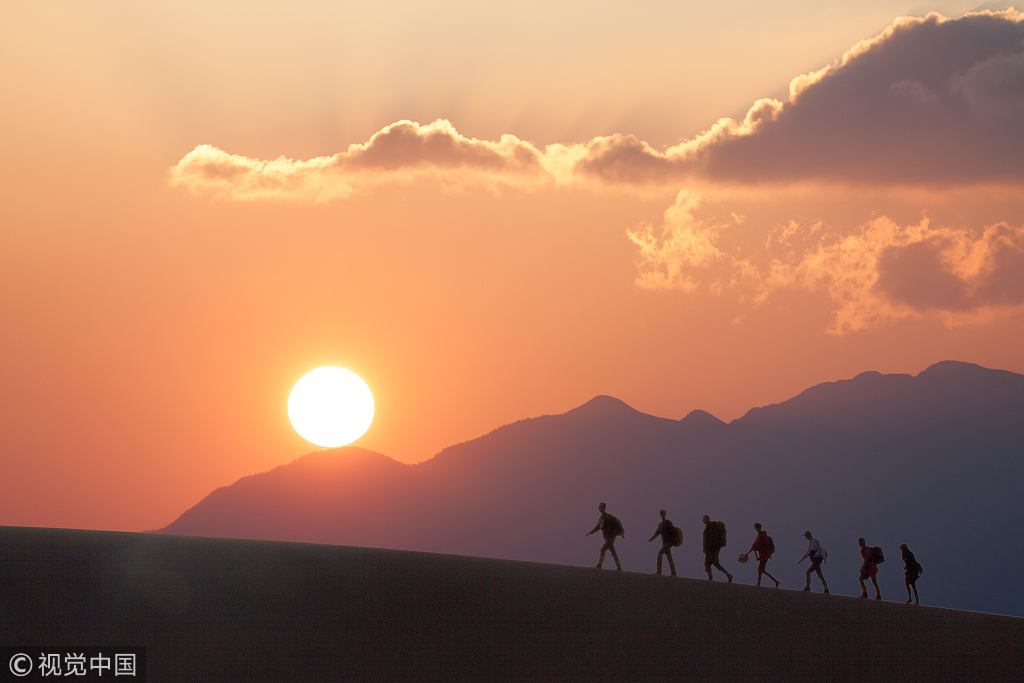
<point x="667" y="532"/>
<point x="713" y="544"/>
<point x="868" y="569"/>
<point x="763" y="547"/>
<point x="912" y="571"/>
<point x="610" y="527"/>
<point x="817" y="555"/>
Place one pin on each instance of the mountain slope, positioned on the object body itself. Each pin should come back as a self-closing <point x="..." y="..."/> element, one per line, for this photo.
<point x="256" y="611"/>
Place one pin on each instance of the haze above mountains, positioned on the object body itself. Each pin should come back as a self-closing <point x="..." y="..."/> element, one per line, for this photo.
<point x="934" y="460"/>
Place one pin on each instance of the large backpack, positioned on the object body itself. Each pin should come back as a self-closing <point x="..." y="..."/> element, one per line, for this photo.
<point x="771" y="547"/>
<point x="718" y="534"/>
<point x="675" y="536"/>
<point x="612" y="526"/>
<point x="877" y="556"/>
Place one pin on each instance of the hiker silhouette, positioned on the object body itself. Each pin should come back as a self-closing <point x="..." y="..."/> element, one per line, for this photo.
<point x="912" y="571"/>
<point x="869" y="568"/>
<point x="668" y="532"/>
<point x="817" y="555"/>
<point x="714" y="541"/>
<point x="610" y="527"/>
<point x="763" y="548"/>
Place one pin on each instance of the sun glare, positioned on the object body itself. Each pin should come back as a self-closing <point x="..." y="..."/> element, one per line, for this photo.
<point x="330" y="407"/>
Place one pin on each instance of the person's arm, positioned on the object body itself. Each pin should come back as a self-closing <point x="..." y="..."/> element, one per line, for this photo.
<point x="596" y="528"/>
<point x="656" y="534"/>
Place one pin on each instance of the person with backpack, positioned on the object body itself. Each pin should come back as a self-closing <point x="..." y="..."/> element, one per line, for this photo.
<point x="763" y="548"/>
<point x="817" y="555"/>
<point x="912" y="571"/>
<point x="610" y="527"/>
<point x="869" y="569"/>
<point x="714" y="541"/>
<point x="671" y="536"/>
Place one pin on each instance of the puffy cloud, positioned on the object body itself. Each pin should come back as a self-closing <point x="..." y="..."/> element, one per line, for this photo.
<point x="929" y="101"/>
<point x="400" y="151"/>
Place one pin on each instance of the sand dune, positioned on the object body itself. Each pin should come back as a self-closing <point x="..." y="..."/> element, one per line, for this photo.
<point x="238" y="610"/>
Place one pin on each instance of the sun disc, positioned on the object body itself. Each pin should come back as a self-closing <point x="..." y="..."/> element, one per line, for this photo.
<point x="330" y="407"/>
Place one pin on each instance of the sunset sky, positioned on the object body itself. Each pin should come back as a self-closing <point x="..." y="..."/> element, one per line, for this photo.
<point x="488" y="212"/>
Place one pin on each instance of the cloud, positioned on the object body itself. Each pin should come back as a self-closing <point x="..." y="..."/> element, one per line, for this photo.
<point x="929" y="101"/>
<point x="877" y="274"/>
<point x="685" y="251"/>
<point x="399" y="152"/>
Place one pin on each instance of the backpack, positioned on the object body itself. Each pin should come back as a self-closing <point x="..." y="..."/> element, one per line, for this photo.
<point x="613" y="526"/>
<point x="675" y="536"/>
<point x="877" y="556"/>
<point x="771" y="547"/>
<point x="718" y="534"/>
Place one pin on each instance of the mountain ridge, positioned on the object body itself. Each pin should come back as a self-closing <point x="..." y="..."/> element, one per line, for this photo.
<point x="893" y="458"/>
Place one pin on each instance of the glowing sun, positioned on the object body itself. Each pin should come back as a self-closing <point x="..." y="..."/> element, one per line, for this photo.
<point x="330" y="407"/>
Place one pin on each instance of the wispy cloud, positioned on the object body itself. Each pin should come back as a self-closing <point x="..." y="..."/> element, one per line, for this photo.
<point x="877" y="274"/>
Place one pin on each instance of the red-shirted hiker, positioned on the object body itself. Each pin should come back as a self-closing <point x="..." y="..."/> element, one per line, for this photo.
<point x="763" y="548"/>
<point x="869" y="569"/>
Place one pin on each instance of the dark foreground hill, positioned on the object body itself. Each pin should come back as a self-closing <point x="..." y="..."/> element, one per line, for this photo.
<point x="935" y="461"/>
<point x="234" y="610"/>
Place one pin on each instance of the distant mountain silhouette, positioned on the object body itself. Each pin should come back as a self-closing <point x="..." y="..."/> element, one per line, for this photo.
<point x="935" y="461"/>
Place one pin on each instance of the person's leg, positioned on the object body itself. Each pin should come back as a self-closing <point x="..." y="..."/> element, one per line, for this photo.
<point x="607" y="545"/>
<point x="759" y="573"/>
<point x="671" y="564"/>
<point x="821" y="576"/>
<point x="615" y="556"/>
<point x="917" y="600"/>
<point x="807" y="576"/>
<point x="907" y="584"/>
<point x="707" y="566"/>
<point x="716" y="563"/>
<point x="863" y="586"/>
<point x="762" y="568"/>
<point x="878" y="591"/>
<point x="661" y="553"/>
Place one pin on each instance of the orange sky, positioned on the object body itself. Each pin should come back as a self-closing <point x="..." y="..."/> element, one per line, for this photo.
<point x="160" y="298"/>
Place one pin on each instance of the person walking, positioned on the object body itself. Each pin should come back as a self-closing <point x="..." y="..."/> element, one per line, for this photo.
<point x="912" y="571"/>
<point x="610" y="527"/>
<point x="763" y="548"/>
<point x="714" y="541"/>
<point x="817" y="555"/>
<point x="668" y="532"/>
<point x="869" y="569"/>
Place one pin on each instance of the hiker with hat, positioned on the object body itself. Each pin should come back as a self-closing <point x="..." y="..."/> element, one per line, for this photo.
<point x="817" y="555"/>
<point x="912" y="571"/>
<point x="610" y="527"/>
<point x="763" y="548"/>
<point x="869" y="568"/>
<point x="714" y="541"/>
<point x="671" y="536"/>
